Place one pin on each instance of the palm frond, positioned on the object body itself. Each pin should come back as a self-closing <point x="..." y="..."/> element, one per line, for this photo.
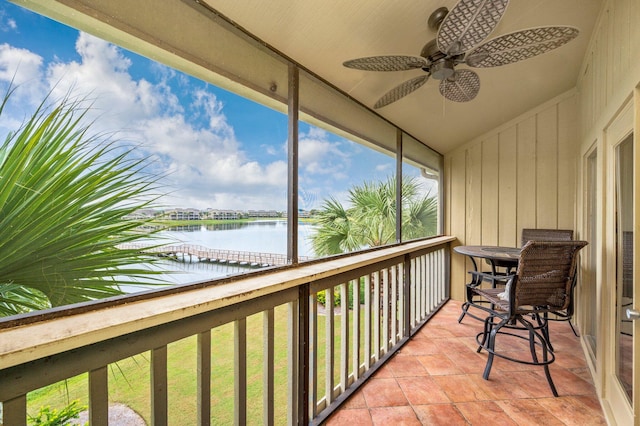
<point x="63" y="197"/>
<point x="370" y="219"/>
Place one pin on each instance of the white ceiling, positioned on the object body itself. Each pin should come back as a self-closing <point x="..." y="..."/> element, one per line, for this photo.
<point x="321" y="34"/>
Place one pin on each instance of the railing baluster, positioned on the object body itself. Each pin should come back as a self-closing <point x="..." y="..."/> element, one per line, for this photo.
<point x="436" y="276"/>
<point x="428" y="281"/>
<point x="313" y="355"/>
<point x="376" y="315"/>
<point x="394" y="305"/>
<point x="439" y="275"/>
<point x="240" y="371"/>
<point x="292" y="362"/>
<point x="268" y="367"/>
<point x="404" y="300"/>
<point x="98" y="397"/>
<point x="159" y="401"/>
<point x="425" y="288"/>
<point x="344" y="338"/>
<point x="204" y="378"/>
<point x="14" y="411"/>
<point x="329" y="357"/>
<point x="367" y="322"/>
<point x="419" y="290"/>
<point x="356" y="329"/>
<point x="413" y="286"/>
<point x="385" y="310"/>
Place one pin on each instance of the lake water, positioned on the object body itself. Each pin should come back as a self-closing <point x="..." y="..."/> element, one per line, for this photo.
<point x="266" y="236"/>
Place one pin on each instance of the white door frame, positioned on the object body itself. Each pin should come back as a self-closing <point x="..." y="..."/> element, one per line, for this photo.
<point x="613" y="394"/>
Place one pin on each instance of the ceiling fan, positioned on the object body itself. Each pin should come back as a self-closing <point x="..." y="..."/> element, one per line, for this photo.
<point x="460" y="39"/>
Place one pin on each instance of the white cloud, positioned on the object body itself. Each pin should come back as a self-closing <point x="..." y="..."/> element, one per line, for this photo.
<point x="204" y="162"/>
<point x="383" y="167"/>
<point x="270" y="149"/>
<point x="320" y="156"/>
<point x="7" y="23"/>
<point x="24" y="68"/>
<point x="185" y="130"/>
<point x="102" y="76"/>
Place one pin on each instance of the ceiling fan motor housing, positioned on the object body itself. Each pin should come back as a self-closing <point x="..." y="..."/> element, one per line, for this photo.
<point x="442" y="69"/>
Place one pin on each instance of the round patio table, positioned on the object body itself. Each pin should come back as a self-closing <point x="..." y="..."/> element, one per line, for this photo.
<point x="496" y="256"/>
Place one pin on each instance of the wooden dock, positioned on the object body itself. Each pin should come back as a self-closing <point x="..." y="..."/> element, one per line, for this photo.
<point x="197" y="253"/>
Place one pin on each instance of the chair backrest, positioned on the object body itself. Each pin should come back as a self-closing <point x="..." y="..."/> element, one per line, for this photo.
<point x="545" y="274"/>
<point x="534" y="234"/>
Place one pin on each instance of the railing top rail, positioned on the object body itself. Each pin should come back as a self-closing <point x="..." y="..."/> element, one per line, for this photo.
<point x="46" y="337"/>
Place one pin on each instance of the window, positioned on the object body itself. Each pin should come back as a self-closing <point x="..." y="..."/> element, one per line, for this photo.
<point x="421" y="168"/>
<point x="213" y="129"/>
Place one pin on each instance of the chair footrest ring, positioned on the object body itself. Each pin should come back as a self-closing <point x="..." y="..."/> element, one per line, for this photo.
<point x="550" y="355"/>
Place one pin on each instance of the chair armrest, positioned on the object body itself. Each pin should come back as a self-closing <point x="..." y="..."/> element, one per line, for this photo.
<point x="501" y="279"/>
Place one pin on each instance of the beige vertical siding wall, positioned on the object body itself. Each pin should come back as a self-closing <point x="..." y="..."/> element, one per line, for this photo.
<point x="526" y="172"/>
<point x="521" y="175"/>
<point x="609" y="77"/>
<point x="611" y="67"/>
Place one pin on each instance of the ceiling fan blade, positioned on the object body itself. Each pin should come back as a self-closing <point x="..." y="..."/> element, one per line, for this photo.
<point x="401" y="91"/>
<point x="386" y="63"/>
<point x="468" y="24"/>
<point x="519" y="45"/>
<point x="462" y="86"/>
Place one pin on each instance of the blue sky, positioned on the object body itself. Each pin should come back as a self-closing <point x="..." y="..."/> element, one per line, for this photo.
<point x="216" y="149"/>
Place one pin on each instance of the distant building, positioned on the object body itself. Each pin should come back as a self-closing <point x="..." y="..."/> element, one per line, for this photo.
<point x="217" y="214"/>
<point x="180" y="214"/>
<point x="263" y="213"/>
<point x="183" y="214"/>
<point x="143" y="214"/>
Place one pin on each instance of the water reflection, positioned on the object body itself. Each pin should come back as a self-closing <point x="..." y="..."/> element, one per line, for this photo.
<point x="214" y="227"/>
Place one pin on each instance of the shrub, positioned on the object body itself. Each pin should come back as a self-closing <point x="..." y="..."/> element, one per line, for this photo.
<point x="337" y="295"/>
<point x="52" y="417"/>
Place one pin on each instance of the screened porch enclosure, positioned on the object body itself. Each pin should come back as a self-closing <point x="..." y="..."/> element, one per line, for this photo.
<point x="550" y="146"/>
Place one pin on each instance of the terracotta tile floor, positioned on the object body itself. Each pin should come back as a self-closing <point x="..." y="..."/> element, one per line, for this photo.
<point x="436" y="379"/>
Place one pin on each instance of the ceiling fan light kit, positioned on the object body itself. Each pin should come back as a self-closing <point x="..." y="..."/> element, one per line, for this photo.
<point x="461" y="40"/>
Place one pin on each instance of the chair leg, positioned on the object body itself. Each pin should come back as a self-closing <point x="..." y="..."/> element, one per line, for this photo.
<point x="491" y="346"/>
<point x="550" y="380"/>
<point x="575" y="332"/>
<point x="488" y="323"/>
<point x="465" y="307"/>
<point x="546" y="367"/>
<point x="490" y="349"/>
<point x="532" y="346"/>
<point x="545" y="328"/>
<point x="544" y="344"/>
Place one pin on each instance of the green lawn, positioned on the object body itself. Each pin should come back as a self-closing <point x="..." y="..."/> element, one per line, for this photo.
<point x="129" y="380"/>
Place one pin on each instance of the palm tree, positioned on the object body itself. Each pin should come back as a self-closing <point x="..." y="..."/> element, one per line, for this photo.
<point x="63" y="199"/>
<point x="371" y="218"/>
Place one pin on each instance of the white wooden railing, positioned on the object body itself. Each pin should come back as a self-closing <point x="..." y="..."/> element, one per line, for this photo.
<point x="330" y="351"/>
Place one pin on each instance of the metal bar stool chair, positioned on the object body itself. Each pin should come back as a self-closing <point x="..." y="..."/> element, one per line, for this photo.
<point x="542" y="284"/>
<point x="535" y="234"/>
